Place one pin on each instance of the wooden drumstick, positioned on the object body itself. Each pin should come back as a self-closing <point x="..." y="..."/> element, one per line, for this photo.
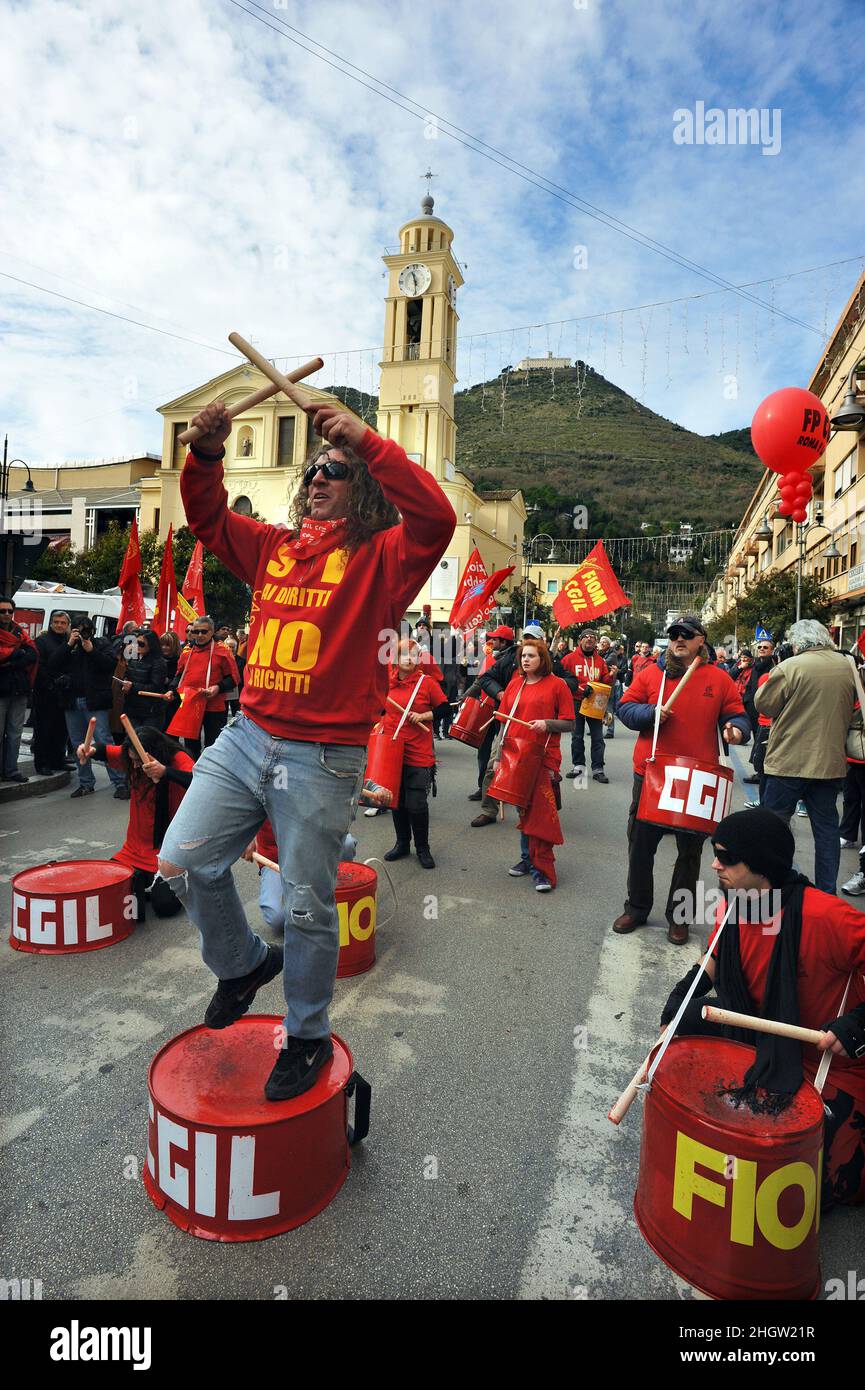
<point x="266" y="863"/>
<point x="283" y="383"/>
<point x="153" y="695"/>
<point x="762" y="1025"/>
<point x="263" y="394"/>
<point x="681" y="686"/>
<point x="88" y="737"/>
<point x="618" y="1112"/>
<point x="511" y="717"/>
<point x="134" y="739"/>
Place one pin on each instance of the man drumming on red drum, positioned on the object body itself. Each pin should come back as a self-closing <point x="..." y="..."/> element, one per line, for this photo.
<point x="314" y="685"/>
<point x="788" y="953"/>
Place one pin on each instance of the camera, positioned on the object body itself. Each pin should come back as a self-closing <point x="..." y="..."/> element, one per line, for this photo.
<point x="85" y="631"/>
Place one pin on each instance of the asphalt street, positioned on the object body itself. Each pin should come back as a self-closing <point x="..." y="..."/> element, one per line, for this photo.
<point x="496" y="1027"/>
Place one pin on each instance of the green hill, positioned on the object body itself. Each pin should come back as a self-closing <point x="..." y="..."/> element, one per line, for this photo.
<point x="581" y="440"/>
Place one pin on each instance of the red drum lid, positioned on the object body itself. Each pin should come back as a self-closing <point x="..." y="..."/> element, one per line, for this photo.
<point x="71" y="876"/>
<point x="353" y="875"/>
<point x="215" y="1078"/>
<point x="694" y="1070"/>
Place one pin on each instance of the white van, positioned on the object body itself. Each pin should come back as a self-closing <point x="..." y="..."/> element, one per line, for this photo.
<point x="37" y="600"/>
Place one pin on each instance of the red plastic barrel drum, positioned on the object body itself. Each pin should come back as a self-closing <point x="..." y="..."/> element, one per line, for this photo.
<point x="685" y="794"/>
<point x="730" y="1200"/>
<point x="517" y="771"/>
<point x="384" y="757"/>
<point x="223" y="1162"/>
<point x="473" y="714"/>
<point x="356" y="889"/>
<point x="74" y="905"/>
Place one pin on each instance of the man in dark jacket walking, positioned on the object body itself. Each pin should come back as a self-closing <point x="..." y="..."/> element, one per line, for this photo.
<point x="51" y="699"/>
<point x="17" y="655"/>
<point x="89" y="663"/>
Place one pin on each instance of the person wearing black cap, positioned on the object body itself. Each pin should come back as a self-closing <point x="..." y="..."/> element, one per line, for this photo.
<point x="790" y="953"/>
<point x="709" y="704"/>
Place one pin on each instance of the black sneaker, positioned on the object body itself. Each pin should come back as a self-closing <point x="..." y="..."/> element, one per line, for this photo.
<point x="16" y="777"/>
<point x="600" y="777"/>
<point x="476" y="796"/>
<point x="425" y="859"/>
<point x="520" y="870"/>
<point x="82" y="791"/>
<point x="233" y="997"/>
<point x="121" y="793"/>
<point x="297" y="1066"/>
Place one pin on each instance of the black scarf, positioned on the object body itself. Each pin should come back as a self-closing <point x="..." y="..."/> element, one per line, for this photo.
<point x="777" y="1068"/>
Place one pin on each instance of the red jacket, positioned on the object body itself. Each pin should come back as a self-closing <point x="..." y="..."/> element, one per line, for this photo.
<point x="139" y="851"/>
<point x="192" y="671"/>
<point x="709" y="698"/>
<point x="313" y="670"/>
<point x="589" y="670"/>
<point x="831" y="947"/>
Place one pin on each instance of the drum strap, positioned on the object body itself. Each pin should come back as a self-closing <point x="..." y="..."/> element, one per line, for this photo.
<point x="513" y="709"/>
<point x="826" y="1059"/>
<point x="407" y="711"/>
<point x="674" y="1022"/>
<point x="658" y="716"/>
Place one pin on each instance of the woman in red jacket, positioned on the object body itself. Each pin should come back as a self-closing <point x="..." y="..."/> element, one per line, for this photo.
<point x="156" y="790"/>
<point x="543" y="701"/>
<point x="410" y="687"/>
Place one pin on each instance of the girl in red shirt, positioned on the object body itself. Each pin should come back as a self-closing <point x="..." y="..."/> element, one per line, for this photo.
<point x="409" y="686"/>
<point x="544" y="702"/>
<point x="156" y="791"/>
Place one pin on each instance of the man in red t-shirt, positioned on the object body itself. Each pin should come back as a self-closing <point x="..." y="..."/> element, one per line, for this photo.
<point x="369" y="528"/>
<point x="210" y="666"/>
<point x="793" y="954"/>
<point x="589" y="668"/>
<point x="708" y="704"/>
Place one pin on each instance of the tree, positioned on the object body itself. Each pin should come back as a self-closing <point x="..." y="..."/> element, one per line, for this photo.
<point x="771" y="603"/>
<point x="97" y="569"/>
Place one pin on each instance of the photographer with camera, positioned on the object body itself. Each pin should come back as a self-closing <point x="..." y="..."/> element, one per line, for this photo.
<point x="87" y="663"/>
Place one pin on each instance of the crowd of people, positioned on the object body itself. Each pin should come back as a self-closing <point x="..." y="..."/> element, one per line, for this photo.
<point x="287" y="773"/>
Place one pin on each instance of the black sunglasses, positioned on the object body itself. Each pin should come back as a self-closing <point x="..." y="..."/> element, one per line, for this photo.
<point x="331" y="468"/>
<point x="724" y="857"/>
<point x="675" y="632"/>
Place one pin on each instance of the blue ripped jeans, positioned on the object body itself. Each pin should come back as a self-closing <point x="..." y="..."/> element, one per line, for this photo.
<point x="308" y="793"/>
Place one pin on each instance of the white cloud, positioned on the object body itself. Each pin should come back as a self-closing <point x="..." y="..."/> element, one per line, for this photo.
<point x="189" y="162"/>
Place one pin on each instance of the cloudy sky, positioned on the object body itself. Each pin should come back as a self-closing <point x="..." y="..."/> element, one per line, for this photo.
<point x="198" y="167"/>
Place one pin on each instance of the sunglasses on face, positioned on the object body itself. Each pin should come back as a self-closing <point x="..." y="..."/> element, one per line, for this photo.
<point x="676" y="632"/>
<point x="6" y="612"/>
<point x="331" y="468"/>
<point x="724" y="857"/>
<point x="199" y="632"/>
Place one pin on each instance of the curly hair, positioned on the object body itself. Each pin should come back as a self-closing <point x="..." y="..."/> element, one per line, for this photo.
<point x="368" y="508"/>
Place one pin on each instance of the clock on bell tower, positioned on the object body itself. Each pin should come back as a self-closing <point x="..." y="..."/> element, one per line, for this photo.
<point x="418" y="368"/>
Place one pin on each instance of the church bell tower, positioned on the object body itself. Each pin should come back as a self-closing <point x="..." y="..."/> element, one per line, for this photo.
<point x="418" y="369"/>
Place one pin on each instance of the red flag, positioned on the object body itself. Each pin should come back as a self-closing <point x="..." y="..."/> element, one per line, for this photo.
<point x="860" y="641"/>
<point x="478" y="601"/>
<point x="166" y="595"/>
<point x="193" y="591"/>
<point x="473" y="578"/>
<point x="132" y="599"/>
<point x="591" y="591"/>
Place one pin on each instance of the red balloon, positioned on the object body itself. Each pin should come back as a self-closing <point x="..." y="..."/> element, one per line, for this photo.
<point x="785" y="508"/>
<point x="805" y="488"/>
<point x="800" y="514"/>
<point x="790" y="429"/>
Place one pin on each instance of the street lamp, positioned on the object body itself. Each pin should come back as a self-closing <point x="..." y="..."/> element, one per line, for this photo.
<point x="831" y="554"/>
<point x="552" y="557"/>
<point x="851" y="416"/>
<point x="7" y="548"/>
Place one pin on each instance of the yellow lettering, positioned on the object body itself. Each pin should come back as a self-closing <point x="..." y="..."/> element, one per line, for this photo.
<point x="334" y="567"/>
<point x="290" y="597"/>
<point x="262" y="652"/>
<point x="267" y="679"/>
<point x="687" y="1183"/>
<point x="342" y="909"/>
<point x="742" y="1209"/>
<point x="791" y="1175"/>
<point x="298" y="646"/>
<point x="326" y="597"/>
<point x="282" y="562"/>
<point x="361" y="933"/>
<point x="268" y="592"/>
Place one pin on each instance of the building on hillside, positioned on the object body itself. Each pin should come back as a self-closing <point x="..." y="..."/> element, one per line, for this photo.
<point x="767" y="543"/>
<point x="548" y="363"/>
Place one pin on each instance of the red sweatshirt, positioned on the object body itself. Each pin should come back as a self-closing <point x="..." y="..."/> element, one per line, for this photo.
<point x="691" y="728"/>
<point x="832" y="945"/>
<point x="314" y="671"/>
<point x="418" y="743"/>
<point x="192" y="671"/>
<point x="588" y="669"/>
<point x="138" y="850"/>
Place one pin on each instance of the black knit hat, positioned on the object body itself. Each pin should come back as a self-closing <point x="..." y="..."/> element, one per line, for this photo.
<point x="759" y="839"/>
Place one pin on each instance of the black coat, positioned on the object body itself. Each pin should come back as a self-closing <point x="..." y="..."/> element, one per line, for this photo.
<point x="48" y="643"/>
<point x="14" y="679"/>
<point x="147" y="672"/>
<point x="88" y="673"/>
